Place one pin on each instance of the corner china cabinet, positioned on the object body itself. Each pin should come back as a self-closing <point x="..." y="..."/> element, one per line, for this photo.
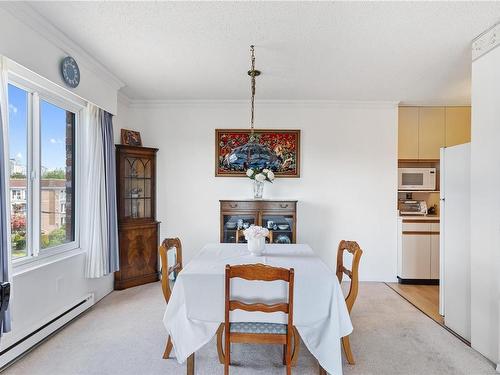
<point x="137" y="226"/>
<point x="279" y="216"/>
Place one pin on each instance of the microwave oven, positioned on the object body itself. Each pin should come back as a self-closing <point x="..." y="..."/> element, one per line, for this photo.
<point x="417" y="178"/>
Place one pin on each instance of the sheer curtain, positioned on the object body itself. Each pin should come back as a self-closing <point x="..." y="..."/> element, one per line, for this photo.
<point x="4" y="189"/>
<point x="99" y="235"/>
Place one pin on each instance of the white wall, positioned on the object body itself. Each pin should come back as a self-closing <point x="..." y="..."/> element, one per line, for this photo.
<point x="34" y="51"/>
<point x="39" y="293"/>
<point x="347" y="188"/>
<point x="485" y="205"/>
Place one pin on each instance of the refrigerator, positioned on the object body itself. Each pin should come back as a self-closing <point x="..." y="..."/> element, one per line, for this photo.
<point x="454" y="293"/>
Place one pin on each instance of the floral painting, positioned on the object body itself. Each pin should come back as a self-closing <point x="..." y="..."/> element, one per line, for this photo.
<point x="277" y="150"/>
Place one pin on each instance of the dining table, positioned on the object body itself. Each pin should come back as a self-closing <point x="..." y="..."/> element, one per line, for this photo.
<point x="196" y="307"/>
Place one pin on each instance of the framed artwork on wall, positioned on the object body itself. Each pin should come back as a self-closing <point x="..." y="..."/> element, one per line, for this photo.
<point x="131" y="137"/>
<point x="277" y="150"/>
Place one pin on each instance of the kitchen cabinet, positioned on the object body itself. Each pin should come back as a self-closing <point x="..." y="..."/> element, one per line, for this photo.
<point x="458" y="125"/>
<point x="434" y="238"/>
<point x="431" y="132"/>
<point x="422" y="131"/>
<point x="408" y="133"/>
<point x="418" y="251"/>
<point x="416" y="256"/>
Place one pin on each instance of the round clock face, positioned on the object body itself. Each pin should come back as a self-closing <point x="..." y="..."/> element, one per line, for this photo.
<point x="70" y="72"/>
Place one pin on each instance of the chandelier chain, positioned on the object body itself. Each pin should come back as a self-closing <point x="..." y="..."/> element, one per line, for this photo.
<point x="252" y="85"/>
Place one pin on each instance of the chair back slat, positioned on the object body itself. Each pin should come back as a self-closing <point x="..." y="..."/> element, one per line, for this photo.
<point x="262" y="307"/>
<point x="259" y="272"/>
<point x="166" y="271"/>
<point x="353" y="248"/>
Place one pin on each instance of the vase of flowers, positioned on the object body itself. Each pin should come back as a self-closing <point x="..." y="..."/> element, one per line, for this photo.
<point x="259" y="177"/>
<point x="256" y="239"/>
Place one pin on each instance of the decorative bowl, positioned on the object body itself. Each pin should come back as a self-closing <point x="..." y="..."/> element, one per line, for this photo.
<point x="231" y="225"/>
<point x="283" y="226"/>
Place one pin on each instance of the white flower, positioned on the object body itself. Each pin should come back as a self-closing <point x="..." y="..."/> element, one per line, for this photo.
<point x="265" y="170"/>
<point x="255" y="231"/>
<point x="250" y="172"/>
<point x="260" y="177"/>
<point x="270" y="175"/>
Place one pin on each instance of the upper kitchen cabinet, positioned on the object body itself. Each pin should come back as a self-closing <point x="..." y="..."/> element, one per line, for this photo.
<point x="408" y="133"/>
<point x="458" y="121"/>
<point x="431" y="132"/>
<point x="422" y="131"/>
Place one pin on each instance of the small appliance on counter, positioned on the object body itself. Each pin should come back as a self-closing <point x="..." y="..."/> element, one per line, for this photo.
<point x="412" y="207"/>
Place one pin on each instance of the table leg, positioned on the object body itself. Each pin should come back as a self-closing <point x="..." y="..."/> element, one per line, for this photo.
<point x="190" y="365"/>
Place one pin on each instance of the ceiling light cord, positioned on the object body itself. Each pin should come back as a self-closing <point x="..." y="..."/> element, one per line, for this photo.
<point x="252" y="73"/>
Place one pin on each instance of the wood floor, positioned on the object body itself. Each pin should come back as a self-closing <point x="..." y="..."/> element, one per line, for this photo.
<point x="423" y="297"/>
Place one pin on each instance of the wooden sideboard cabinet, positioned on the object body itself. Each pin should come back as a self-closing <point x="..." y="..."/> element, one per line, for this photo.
<point x="137" y="226"/>
<point x="280" y="216"/>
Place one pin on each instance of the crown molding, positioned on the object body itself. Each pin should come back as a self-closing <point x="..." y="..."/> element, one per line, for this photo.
<point x="137" y="103"/>
<point x="485" y="42"/>
<point x="31" y="18"/>
<point x="123" y="99"/>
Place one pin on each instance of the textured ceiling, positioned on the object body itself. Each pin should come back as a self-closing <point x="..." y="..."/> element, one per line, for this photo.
<point x="414" y="52"/>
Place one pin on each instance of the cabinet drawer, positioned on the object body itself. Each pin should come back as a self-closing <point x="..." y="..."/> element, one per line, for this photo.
<point x="417" y="227"/>
<point x="435" y="227"/>
<point x="286" y="206"/>
<point x="240" y="205"/>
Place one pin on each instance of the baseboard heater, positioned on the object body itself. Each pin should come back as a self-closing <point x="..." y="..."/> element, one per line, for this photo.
<point x="21" y="346"/>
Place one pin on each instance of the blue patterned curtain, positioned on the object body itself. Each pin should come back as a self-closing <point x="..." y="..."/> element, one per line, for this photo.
<point x="110" y="183"/>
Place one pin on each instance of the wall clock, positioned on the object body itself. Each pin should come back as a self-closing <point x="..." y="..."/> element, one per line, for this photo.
<point x="70" y="72"/>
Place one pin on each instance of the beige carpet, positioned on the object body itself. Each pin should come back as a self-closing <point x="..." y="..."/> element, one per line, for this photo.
<point x="123" y="334"/>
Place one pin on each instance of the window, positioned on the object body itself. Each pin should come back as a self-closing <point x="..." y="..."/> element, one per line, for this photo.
<point x="42" y="172"/>
<point x="18" y="162"/>
<point x="56" y="148"/>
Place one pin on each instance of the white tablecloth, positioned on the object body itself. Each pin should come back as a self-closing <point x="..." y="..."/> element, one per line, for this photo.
<point x="196" y="307"/>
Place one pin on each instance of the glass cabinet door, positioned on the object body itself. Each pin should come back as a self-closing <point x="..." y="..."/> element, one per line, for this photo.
<point x="231" y="222"/>
<point x="137" y="191"/>
<point x="282" y="226"/>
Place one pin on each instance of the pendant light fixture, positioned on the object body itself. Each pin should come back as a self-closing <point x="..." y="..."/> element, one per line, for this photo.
<point x="252" y="154"/>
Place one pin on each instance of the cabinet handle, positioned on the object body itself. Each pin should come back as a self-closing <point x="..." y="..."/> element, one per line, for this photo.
<point x="283" y="205"/>
<point x="233" y="205"/>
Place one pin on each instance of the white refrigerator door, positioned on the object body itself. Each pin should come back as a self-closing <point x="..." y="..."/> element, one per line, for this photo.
<point x="455" y="238"/>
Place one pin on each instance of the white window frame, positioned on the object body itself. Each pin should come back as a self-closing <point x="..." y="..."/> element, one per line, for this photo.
<point x="38" y="89"/>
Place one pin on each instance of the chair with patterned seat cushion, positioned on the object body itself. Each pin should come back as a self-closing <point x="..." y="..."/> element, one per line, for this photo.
<point x="256" y="332"/>
<point x="166" y="272"/>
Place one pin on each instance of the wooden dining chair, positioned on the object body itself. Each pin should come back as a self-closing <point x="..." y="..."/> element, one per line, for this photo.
<point x="166" y="271"/>
<point x="239" y="233"/>
<point x="254" y="332"/>
<point x="353" y="248"/>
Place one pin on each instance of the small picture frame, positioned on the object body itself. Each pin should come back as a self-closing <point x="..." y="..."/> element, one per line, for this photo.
<point x="131" y="137"/>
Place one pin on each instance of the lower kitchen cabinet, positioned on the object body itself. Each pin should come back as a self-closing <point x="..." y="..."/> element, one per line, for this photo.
<point x="418" y="250"/>
<point x="434" y="256"/>
<point x="416" y="256"/>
